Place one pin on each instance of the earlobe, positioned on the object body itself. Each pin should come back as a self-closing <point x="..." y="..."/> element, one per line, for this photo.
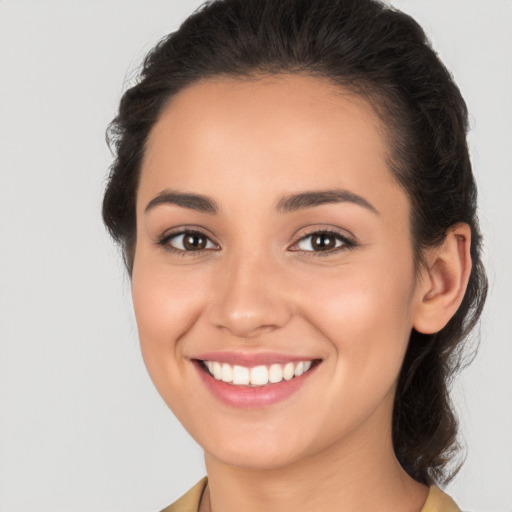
<point x="445" y="280"/>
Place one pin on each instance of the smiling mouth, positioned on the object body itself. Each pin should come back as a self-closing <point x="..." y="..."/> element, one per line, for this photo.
<point x="256" y="376"/>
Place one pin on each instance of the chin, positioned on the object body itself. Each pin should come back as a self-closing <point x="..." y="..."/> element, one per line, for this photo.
<point x="253" y="459"/>
<point x="257" y="452"/>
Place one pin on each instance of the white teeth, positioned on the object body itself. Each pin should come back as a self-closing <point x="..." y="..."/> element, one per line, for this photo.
<point x="288" y="371"/>
<point x="217" y="370"/>
<point x="275" y="373"/>
<point x="240" y="375"/>
<point x="258" y="375"/>
<point x="227" y="373"/>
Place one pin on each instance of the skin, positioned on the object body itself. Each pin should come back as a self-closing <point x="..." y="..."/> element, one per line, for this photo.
<point x="246" y="144"/>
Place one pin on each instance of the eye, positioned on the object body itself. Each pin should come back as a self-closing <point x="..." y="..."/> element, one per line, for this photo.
<point x="186" y="241"/>
<point x="324" y="243"/>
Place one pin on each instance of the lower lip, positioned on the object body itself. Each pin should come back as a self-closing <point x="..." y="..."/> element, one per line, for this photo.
<point x="252" y="397"/>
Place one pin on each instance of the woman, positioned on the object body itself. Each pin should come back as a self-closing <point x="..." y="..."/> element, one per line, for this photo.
<point x="294" y="198"/>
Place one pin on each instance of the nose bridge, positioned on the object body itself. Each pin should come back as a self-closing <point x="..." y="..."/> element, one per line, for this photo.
<point x="247" y="295"/>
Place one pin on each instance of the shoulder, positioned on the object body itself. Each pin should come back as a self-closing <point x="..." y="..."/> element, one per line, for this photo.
<point x="189" y="502"/>
<point x="438" y="501"/>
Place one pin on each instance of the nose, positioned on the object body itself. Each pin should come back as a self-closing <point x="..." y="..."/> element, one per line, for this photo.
<point x="249" y="296"/>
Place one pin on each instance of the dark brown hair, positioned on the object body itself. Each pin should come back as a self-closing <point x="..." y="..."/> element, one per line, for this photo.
<point x="378" y="52"/>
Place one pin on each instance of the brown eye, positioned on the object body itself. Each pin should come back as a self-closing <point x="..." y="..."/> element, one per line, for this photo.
<point x="321" y="241"/>
<point x="187" y="241"/>
<point x="194" y="241"/>
<point x="324" y="243"/>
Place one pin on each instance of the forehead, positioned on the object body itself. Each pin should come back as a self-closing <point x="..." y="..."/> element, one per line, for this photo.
<point x="264" y="134"/>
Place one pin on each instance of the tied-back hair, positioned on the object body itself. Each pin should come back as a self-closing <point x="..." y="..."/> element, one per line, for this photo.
<point x="382" y="54"/>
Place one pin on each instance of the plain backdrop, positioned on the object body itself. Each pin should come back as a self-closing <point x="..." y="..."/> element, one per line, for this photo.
<point x="81" y="427"/>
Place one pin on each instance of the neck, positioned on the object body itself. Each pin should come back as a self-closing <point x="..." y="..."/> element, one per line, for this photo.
<point x="353" y="475"/>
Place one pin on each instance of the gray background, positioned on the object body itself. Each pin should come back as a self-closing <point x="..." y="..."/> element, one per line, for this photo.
<point x="81" y="427"/>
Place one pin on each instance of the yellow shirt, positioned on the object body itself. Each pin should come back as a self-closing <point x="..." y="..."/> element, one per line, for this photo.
<point x="437" y="500"/>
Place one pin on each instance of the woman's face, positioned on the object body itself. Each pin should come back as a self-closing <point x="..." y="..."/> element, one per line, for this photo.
<point x="254" y="287"/>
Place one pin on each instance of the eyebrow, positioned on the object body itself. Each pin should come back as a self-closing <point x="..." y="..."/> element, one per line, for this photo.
<point x="288" y="203"/>
<point x="309" y="199"/>
<point x="197" y="202"/>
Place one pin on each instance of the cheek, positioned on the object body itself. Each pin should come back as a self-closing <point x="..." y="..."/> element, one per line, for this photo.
<point x="357" y="300"/>
<point x="166" y="304"/>
<point x="366" y="318"/>
<point x="366" y="314"/>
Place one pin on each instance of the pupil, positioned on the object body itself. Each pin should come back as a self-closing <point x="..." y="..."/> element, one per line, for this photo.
<point x="192" y="241"/>
<point x="320" y="241"/>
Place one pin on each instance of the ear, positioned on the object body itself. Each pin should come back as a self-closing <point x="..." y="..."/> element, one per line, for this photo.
<point x="444" y="281"/>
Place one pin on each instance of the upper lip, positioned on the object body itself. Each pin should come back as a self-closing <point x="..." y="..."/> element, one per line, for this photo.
<point x="255" y="359"/>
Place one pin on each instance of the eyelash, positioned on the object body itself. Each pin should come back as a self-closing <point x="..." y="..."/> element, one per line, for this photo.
<point x="348" y="243"/>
